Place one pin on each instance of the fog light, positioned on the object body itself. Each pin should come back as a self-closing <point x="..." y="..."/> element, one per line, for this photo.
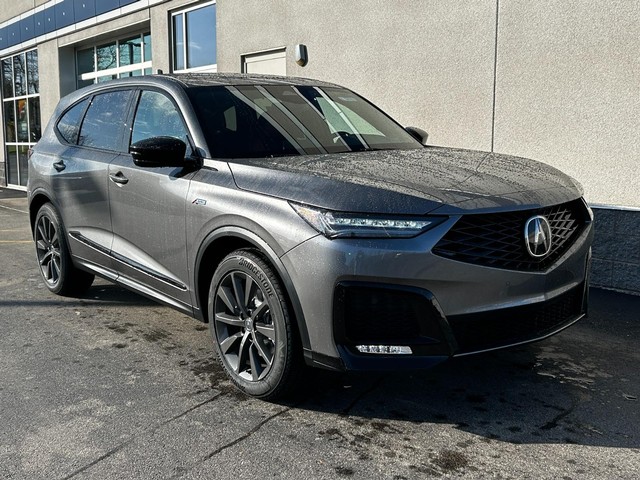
<point x="384" y="349"/>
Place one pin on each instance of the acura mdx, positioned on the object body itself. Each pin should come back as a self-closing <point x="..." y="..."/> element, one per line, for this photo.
<point x="304" y="225"/>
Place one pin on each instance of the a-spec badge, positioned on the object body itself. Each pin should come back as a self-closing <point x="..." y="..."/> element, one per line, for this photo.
<point x="537" y="236"/>
<point x="199" y="201"/>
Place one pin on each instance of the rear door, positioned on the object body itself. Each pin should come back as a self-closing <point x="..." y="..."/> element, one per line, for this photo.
<point x="148" y="208"/>
<point x="92" y="134"/>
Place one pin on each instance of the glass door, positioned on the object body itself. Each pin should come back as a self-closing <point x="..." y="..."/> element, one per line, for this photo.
<point x="20" y="114"/>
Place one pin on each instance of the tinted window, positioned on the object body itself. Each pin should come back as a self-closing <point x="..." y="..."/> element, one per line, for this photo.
<point x="105" y="120"/>
<point x="69" y="123"/>
<point x="276" y="120"/>
<point x="157" y="116"/>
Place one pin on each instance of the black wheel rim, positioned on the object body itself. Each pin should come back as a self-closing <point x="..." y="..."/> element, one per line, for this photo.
<point x="48" y="250"/>
<point x="244" y="326"/>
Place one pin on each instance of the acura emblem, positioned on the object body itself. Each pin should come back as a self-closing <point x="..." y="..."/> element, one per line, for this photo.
<point x="537" y="236"/>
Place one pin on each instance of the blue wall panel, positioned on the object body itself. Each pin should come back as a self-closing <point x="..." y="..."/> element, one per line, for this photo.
<point x="27" y="29"/>
<point x="103" y="6"/>
<point x="64" y="14"/>
<point x="13" y="34"/>
<point x="53" y="18"/>
<point x="84" y="9"/>
<point x="3" y="38"/>
<point x="49" y="20"/>
<point x="38" y="23"/>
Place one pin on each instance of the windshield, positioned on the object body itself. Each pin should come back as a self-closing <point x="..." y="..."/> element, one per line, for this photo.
<point x="276" y="120"/>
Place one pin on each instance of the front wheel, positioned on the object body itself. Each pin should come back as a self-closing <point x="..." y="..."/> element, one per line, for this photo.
<point x="57" y="270"/>
<point x="251" y="326"/>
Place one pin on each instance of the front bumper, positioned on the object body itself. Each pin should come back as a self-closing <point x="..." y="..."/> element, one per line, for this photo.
<point x="457" y="308"/>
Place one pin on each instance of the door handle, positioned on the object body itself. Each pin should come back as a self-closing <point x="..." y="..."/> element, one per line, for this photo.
<point x="59" y="166"/>
<point x="118" y="178"/>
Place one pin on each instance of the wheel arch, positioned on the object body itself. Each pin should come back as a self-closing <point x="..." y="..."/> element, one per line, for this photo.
<point x="225" y="240"/>
<point x="38" y="199"/>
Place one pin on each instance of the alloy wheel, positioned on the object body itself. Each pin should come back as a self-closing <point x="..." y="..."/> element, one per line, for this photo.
<point x="244" y="327"/>
<point x="48" y="250"/>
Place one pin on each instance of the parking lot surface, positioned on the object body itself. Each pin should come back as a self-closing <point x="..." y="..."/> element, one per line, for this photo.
<point x="113" y="385"/>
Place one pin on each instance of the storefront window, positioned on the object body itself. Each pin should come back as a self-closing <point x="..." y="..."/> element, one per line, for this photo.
<point x="21" y="113"/>
<point x="194" y="38"/>
<point x="125" y="57"/>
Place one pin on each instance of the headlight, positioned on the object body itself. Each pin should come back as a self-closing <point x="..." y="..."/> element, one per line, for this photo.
<point x="359" y="225"/>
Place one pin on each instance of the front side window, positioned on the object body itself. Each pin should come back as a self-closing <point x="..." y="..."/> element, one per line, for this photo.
<point x="125" y="57"/>
<point x="276" y="120"/>
<point x="21" y="113"/>
<point x="103" y="125"/>
<point x="157" y="116"/>
<point x="194" y="39"/>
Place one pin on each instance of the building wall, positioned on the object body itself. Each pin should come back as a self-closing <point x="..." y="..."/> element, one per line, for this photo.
<point x="568" y="91"/>
<point x="616" y="249"/>
<point x="417" y="60"/>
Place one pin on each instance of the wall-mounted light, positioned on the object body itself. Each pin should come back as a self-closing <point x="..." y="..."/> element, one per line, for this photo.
<point x="301" y="55"/>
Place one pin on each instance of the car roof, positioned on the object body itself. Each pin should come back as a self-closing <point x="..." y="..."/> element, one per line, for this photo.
<point x="221" y="79"/>
<point x="184" y="81"/>
<point x="188" y="80"/>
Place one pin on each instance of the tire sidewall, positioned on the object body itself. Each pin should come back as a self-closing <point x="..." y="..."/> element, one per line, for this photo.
<point x="251" y="265"/>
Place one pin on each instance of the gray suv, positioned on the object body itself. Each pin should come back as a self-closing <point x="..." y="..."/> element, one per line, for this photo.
<point x="304" y="225"/>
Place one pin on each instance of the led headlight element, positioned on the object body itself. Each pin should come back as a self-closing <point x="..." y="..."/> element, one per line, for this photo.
<point x="340" y="224"/>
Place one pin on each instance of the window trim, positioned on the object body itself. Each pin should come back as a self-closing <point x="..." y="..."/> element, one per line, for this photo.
<point x="212" y="68"/>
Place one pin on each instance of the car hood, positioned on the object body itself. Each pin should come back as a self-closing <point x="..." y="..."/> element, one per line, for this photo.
<point x="408" y="181"/>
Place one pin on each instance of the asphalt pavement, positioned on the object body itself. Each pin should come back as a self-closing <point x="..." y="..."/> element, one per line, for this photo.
<point x="112" y="385"/>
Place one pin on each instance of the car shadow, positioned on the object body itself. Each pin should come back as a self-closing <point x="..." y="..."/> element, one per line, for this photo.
<point x="578" y="387"/>
<point x="100" y="294"/>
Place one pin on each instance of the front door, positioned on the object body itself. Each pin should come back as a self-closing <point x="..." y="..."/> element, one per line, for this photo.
<point x="148" y="209"/>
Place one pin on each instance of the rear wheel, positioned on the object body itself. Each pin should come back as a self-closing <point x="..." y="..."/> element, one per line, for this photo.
<point x="251" y="326"/>
<point x="54" y="259"/>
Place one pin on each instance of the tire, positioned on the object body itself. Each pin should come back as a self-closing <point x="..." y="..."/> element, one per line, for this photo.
<point x="54" y="259"/>
<point x="251" y="326"/>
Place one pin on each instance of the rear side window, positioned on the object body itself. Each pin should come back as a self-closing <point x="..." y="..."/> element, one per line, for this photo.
<point x="104" y="123"/>
<point x="69" y="123"/>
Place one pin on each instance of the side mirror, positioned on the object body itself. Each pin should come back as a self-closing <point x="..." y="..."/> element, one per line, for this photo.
<point x="419" y="134"/>
<point x="159" y="152"/>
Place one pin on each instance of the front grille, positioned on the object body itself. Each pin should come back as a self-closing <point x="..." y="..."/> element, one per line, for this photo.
<point x="497" y="328"/>
<point x="497" y="239"/>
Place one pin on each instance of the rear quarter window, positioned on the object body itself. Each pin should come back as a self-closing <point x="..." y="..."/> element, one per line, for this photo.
<point x="69" y="124"/>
